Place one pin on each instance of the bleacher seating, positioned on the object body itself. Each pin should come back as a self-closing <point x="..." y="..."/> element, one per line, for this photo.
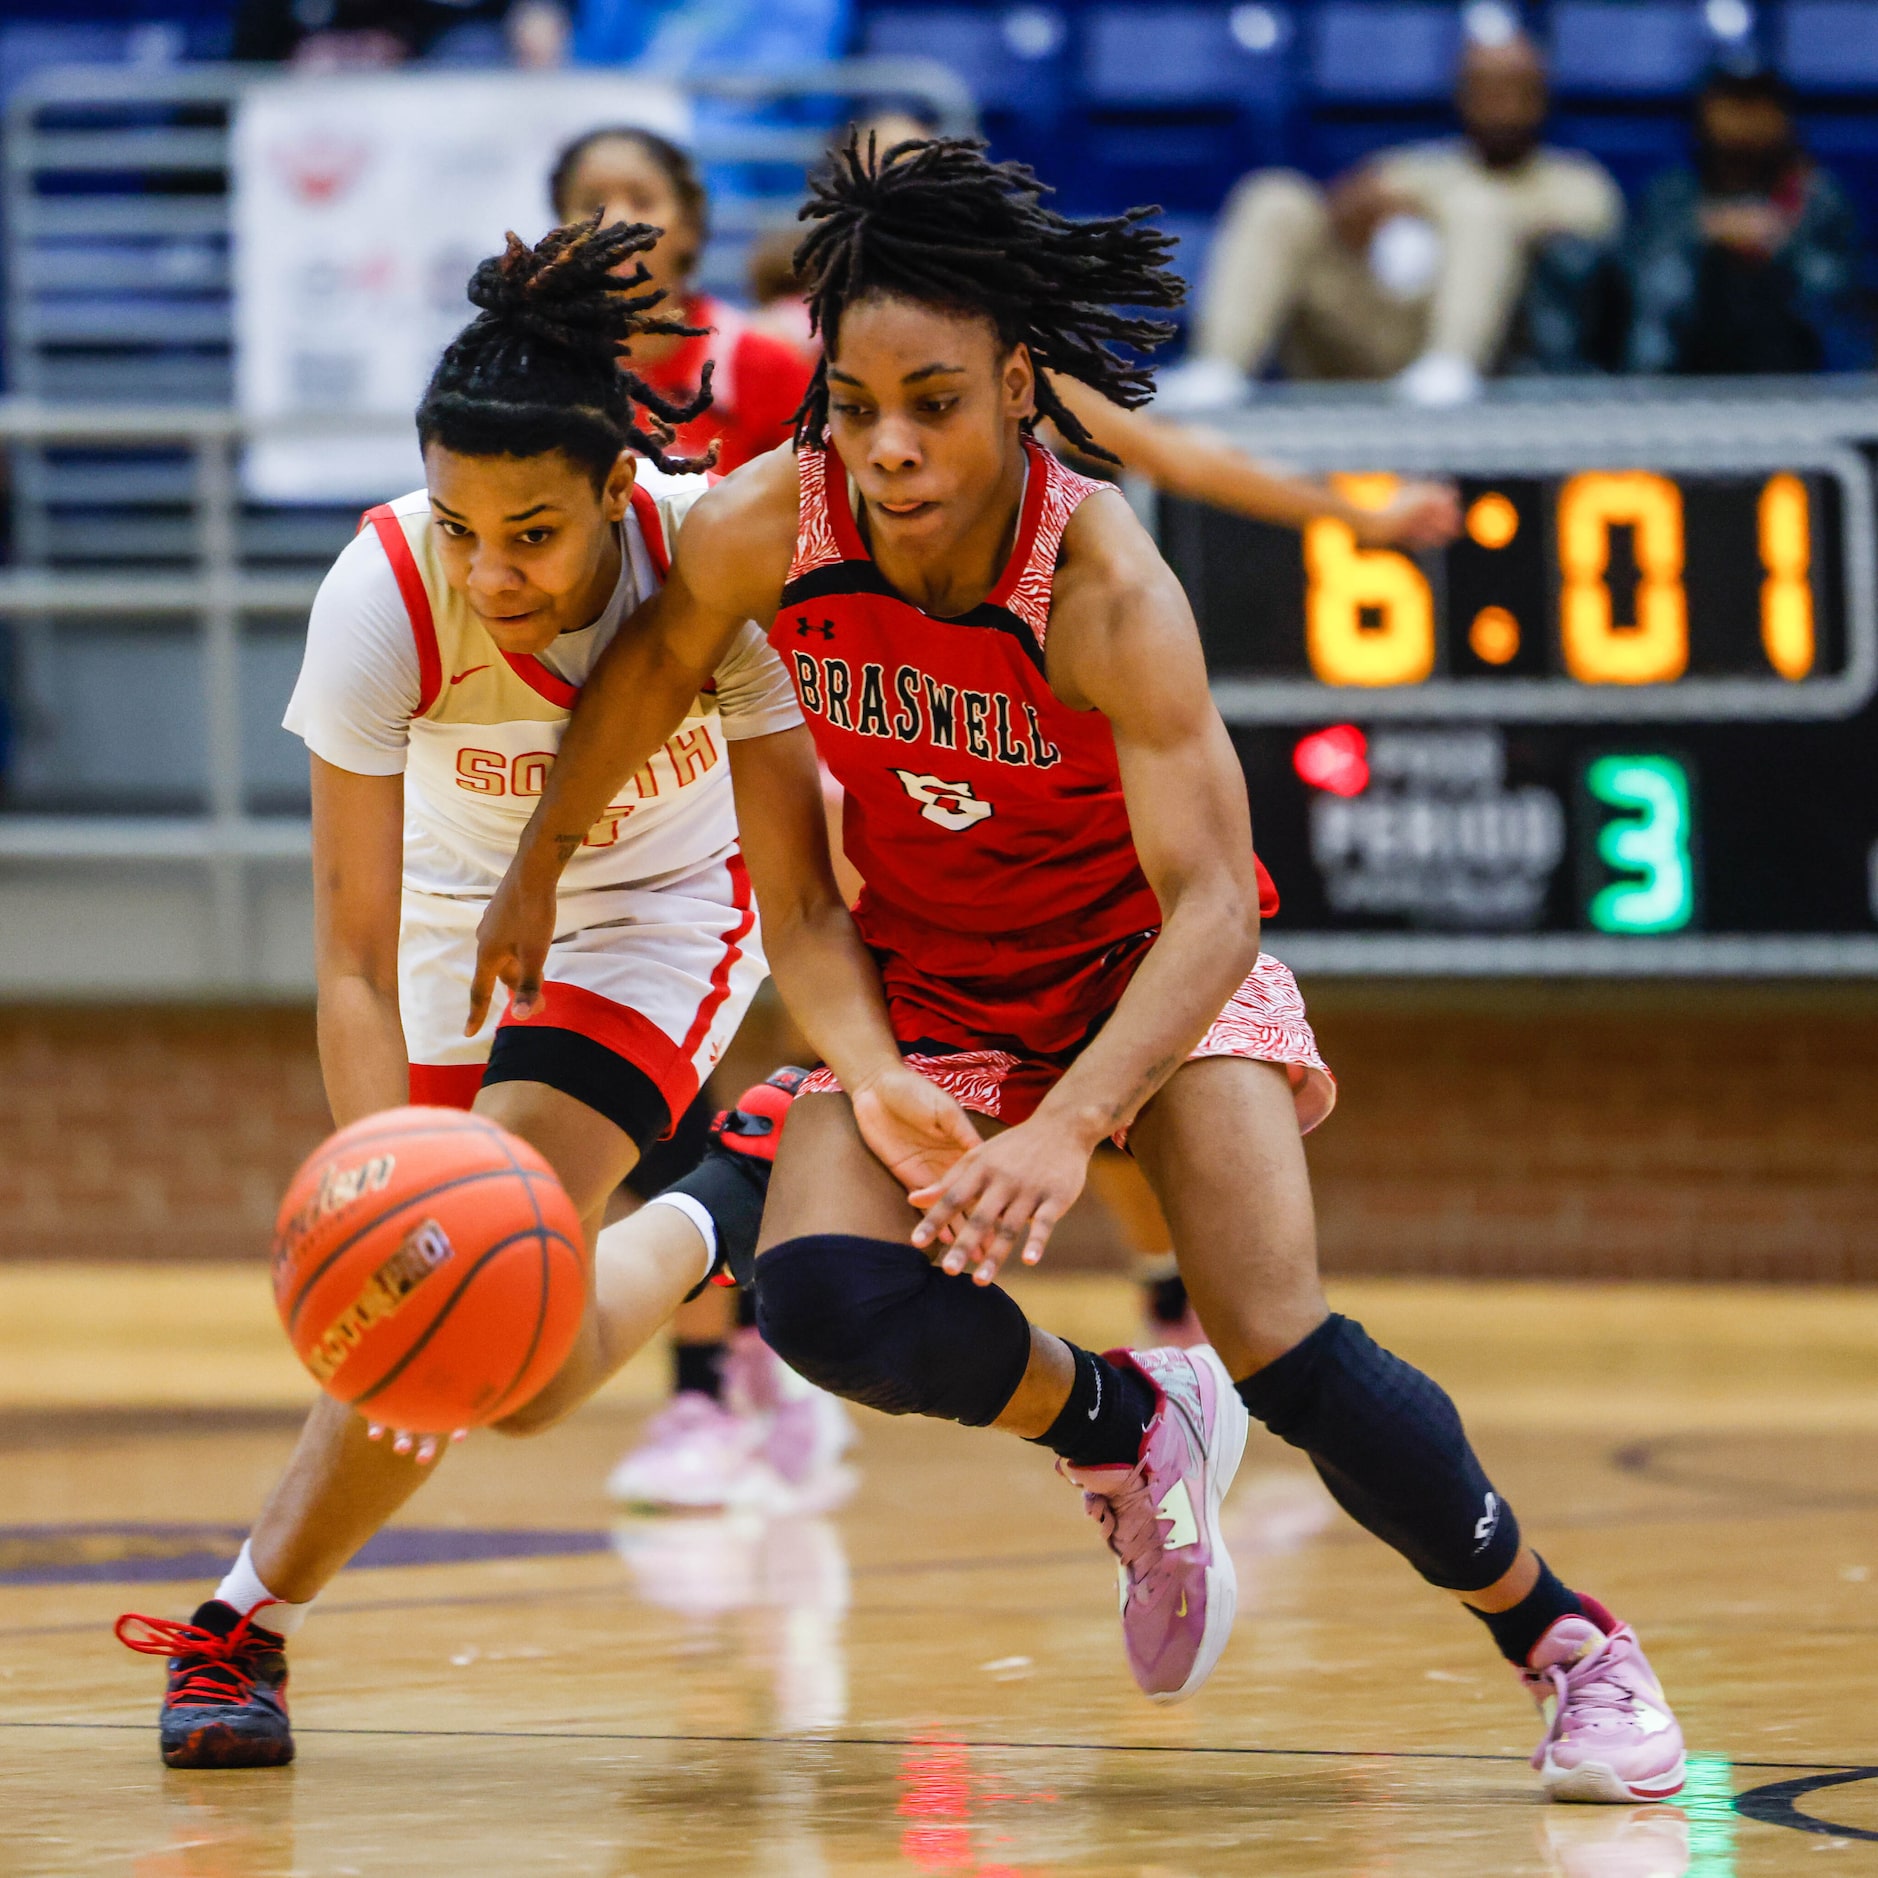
<point x="1173" y="95"/>
<point x="1626" y="49"/>
<point x="1829" y="47"/>
<point x="1114" y="101"/>
<point x="1382" y="52"/>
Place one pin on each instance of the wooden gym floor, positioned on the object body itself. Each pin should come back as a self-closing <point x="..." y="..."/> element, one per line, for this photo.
<point x="931" y="1681"/>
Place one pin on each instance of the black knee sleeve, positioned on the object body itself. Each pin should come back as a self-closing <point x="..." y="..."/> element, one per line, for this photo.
<point x="1390" y="1447"/>
<point x="878" y="1323"/>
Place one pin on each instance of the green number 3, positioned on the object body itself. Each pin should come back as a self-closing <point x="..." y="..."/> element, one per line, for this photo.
<point x="1650" y="844"/>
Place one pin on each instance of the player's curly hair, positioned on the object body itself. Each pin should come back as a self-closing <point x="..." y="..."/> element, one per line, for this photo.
<point x="936" y="221"/>
<point x="539" y="368"/>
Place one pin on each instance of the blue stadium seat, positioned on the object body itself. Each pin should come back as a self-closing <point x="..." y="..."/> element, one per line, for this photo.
<point x="1628" y="48"/>
<point x="29" y="46"/>
<point x="1159" y="56"/>
<point x="1633" y="145"/>
<point x="1829" y="45"/>
<point x="1013" y="60"/>
<point x="1383" y="51"/>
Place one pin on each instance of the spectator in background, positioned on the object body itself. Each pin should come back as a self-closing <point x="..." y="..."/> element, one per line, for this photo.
<point x="366" y="35"/>
<point x="1750" y="260"/>
<point x="776" y="303"/>
<point x="757" y="380"/>
<point x="1408" y="268"/>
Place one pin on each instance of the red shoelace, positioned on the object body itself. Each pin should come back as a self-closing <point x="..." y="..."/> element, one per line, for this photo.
<point x="221" y="1675"/>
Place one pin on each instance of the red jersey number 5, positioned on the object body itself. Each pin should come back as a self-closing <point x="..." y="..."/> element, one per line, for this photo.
<point x="950" y="804"/>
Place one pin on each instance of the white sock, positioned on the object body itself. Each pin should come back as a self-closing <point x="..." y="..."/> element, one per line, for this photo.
<point x="243" y="1590"/>
<point x="693" y="1210"/>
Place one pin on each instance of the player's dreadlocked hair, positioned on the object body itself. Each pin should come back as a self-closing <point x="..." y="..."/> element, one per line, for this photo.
<point x="539" y="368"/>
<point x="938" y="222"/>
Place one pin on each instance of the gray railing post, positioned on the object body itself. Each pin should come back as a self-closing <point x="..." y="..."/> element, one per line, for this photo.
<point x="218" y="549"/>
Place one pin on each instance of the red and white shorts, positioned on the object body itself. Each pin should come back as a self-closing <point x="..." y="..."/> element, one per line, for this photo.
<point x="1263" y="1022"/>
<point x="658" y="973"/>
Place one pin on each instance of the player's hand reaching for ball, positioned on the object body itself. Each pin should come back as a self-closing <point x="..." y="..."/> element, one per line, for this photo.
<point x="512" y="940"/>
<point x="1418" y="515"/>
<point x="423" y="1449"/>
<point x="1007" y="1192"/>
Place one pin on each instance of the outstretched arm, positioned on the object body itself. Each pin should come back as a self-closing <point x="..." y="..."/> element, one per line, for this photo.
<point x="358" y="867"/>
<point x="827" y="977"/>
<point x="1122" y="641"/>
<point x="1201" y="465"/>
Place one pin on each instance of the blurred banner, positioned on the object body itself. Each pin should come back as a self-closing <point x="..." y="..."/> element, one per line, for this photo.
<point x="361" y="207"/>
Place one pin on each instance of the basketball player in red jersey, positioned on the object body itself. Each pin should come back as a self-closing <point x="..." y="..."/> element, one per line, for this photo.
<point x="757" y="380"/>
<point x="1059" y="933"/>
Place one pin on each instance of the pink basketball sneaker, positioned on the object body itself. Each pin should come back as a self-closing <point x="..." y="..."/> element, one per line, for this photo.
<point x="805" y="1430"/>
<point x="694" y="1456"/>
<point x="1161" y="1519"/>
<point x="1610" y="1736"/>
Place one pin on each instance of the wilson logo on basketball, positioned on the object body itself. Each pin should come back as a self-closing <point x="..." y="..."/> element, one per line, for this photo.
<point x="426" y="1246"/>
<point x="339" y="1187"/>
<point x="950" y="804"/>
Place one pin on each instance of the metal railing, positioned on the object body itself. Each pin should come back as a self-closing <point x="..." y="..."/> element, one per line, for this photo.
<point x="223" y="837"/>
<point x="117" y="209"/>
<point x="115" y="205"/>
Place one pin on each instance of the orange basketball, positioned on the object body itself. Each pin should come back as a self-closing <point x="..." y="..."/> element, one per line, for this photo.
<point x="430" y="1269"/>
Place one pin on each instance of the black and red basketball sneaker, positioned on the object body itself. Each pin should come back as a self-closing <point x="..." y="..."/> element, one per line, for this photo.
<point x="226" y="1704"/>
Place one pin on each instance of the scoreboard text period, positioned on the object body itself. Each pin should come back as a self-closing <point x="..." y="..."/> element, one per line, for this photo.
<point x="1627" y="717"/>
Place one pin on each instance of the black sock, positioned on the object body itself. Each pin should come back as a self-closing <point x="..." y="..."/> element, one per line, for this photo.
<point x="1107" y="1413"/>
<point x="1167" y="1299"/>
<point x="699" y="1368"/>
<point x="1518" y="1630"/>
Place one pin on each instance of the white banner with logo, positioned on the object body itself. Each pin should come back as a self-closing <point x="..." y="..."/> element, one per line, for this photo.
<point x="361" y="206"/>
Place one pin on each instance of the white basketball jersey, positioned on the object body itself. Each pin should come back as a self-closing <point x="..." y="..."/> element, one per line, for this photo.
<point x="488" y="724"/>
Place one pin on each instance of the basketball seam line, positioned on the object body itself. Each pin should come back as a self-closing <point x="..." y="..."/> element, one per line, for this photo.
<point x="436" y="1323"/>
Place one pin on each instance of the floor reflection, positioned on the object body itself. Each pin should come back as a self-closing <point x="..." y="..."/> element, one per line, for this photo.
<point x="790" y="1572"/>
<point x="218" y="1827"/>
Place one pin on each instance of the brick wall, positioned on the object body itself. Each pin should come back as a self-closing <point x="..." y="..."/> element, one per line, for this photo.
<point x="1720" y="1132"/>
<point x="1601" y="1131"/>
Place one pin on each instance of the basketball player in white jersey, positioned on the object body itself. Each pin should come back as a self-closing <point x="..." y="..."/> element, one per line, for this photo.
<point x="445" y="652"/>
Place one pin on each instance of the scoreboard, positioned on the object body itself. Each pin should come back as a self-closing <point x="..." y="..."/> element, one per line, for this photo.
<point x="1627" y="722"/>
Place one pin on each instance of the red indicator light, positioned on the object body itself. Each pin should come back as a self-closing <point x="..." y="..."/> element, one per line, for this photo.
<point x="1336" y="760"/>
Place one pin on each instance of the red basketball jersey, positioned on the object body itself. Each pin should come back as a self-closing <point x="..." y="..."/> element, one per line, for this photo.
<point x="985" y="817"/>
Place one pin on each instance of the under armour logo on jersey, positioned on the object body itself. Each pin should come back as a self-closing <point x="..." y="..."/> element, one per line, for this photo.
<point x="804" y="628"/>
<point x="1488" y="1523"/>
<point x="951" y="805"/>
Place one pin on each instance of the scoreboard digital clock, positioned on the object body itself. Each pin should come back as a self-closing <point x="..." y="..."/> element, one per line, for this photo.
<point x="1627" y="722"/>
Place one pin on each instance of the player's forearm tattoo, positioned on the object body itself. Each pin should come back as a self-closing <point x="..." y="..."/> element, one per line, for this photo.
<point x="566" y="847"/>
<point x="1147" y="1083"/>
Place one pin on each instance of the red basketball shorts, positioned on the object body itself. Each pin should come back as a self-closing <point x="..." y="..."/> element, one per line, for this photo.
<point x="1264" y="1022"/>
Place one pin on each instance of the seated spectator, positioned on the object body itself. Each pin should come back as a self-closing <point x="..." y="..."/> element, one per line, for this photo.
<point x="1750" y="260"/>
<point x="1410" y="267"/>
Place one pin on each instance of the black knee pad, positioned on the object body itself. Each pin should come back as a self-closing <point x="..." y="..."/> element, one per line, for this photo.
<point x="880" y="1324"/>
<point x="1389" y="1445"/>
